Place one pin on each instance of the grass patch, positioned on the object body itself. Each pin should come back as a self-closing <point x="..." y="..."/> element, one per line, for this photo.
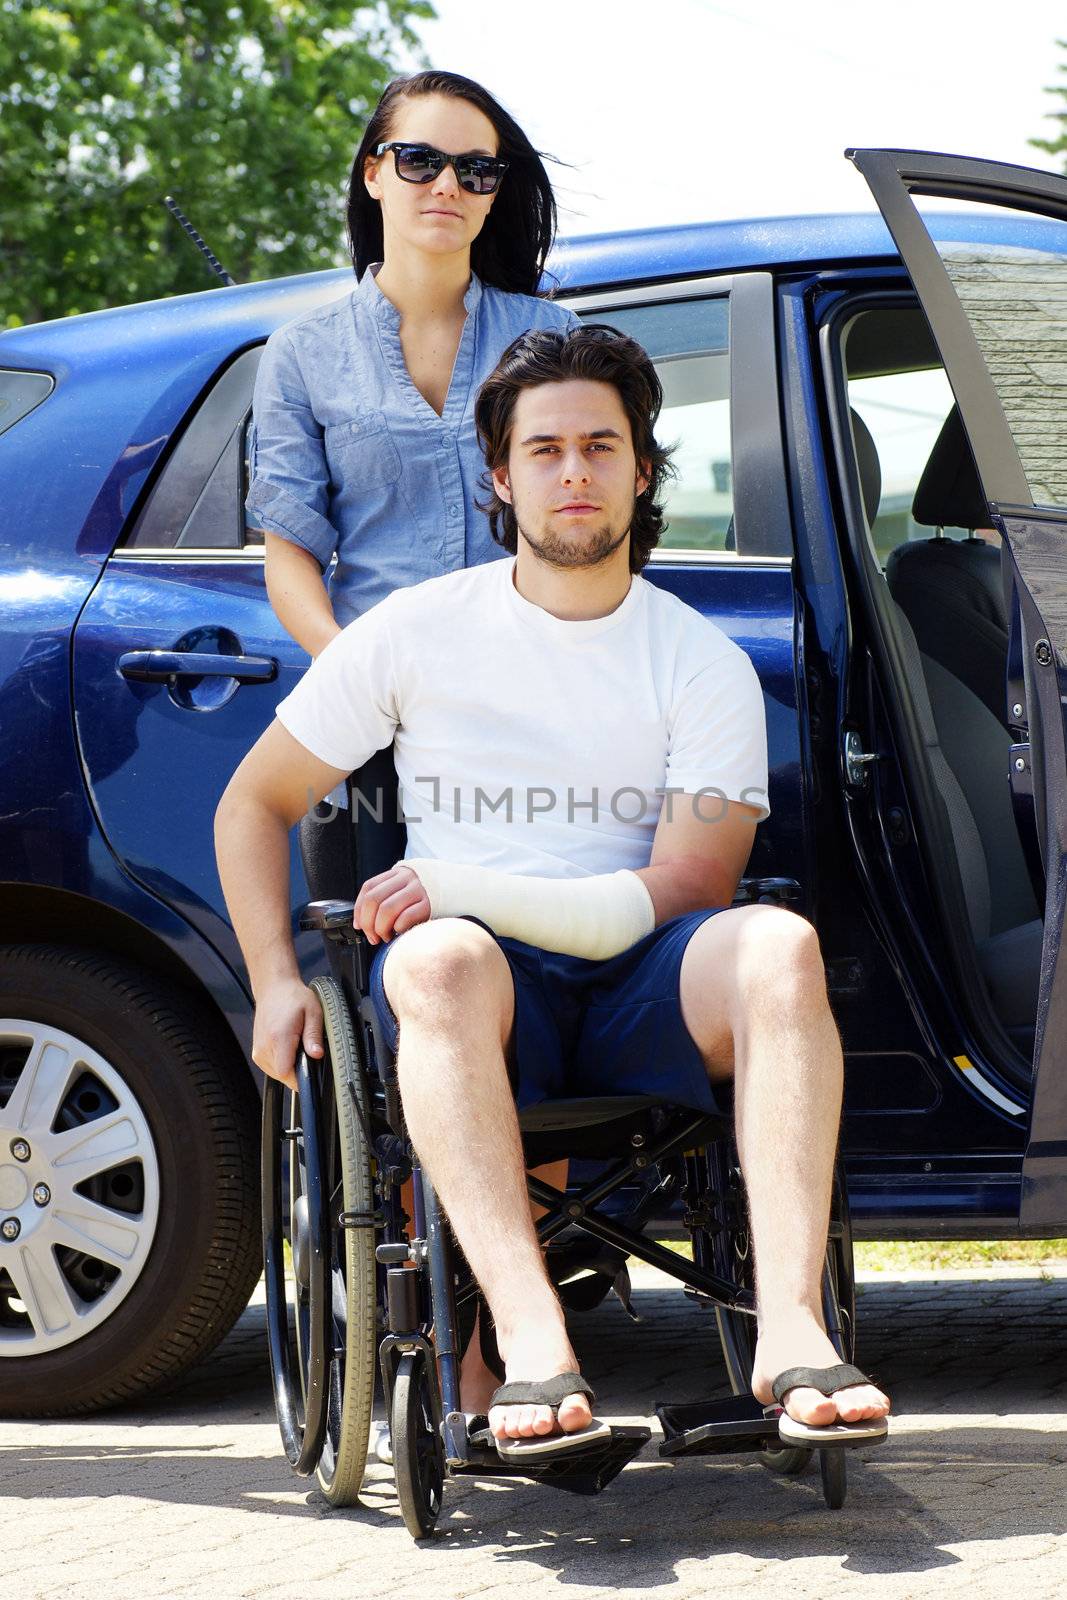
<point x="877" y="1255"/>
<point x="901" y="1255"/>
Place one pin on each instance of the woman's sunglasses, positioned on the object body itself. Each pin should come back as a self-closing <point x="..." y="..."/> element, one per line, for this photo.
<point x="421" y="163"/>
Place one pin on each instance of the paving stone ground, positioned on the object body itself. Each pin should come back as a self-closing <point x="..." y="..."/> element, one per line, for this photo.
<point x="188" y="1494"/>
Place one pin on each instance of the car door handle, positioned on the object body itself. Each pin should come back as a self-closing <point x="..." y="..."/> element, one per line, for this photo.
<point x="163" y="666"/>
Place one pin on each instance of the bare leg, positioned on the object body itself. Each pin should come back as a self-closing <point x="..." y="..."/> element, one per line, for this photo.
<point x="753" y="996"/>
<point x="477" y="1380"/>
<point x="450" y="988"/>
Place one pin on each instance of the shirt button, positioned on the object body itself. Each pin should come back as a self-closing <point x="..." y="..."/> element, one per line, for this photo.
<point x="453" y="511"/>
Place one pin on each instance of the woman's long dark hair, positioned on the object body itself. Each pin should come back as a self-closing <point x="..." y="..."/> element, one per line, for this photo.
<point x="510" y="251"/>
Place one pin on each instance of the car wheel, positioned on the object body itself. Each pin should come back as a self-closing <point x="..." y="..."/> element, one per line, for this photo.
<point x="129" y="1181"/>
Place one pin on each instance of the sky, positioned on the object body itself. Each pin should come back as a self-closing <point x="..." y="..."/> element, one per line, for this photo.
<point x="685" y="110"/>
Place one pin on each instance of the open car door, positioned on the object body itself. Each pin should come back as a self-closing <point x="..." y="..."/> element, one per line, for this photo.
<point x="992" y="280"/>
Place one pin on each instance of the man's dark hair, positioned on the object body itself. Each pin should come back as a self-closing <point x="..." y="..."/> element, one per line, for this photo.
<point x="509" y="252"/>
<point x="592" y="351"/>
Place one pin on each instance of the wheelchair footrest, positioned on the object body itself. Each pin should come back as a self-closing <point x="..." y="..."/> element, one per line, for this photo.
<point x="582" y="1472"/>
<point x="716" y="1427"/>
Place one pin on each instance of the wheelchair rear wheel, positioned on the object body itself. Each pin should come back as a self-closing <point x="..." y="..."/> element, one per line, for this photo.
<point x="351" y="1311"/>
<point x="418" y="1457"/>
<point x="301" y="1406"/>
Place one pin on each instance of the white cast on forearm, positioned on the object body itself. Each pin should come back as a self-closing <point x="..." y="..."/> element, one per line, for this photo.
<point x="594" y="917"/>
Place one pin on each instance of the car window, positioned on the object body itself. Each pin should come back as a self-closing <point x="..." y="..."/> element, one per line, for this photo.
<point x="253" y="537"/>
<point x="20" y="392"/>
<point x="689" y="341"/>
<point x="197" y="502"/>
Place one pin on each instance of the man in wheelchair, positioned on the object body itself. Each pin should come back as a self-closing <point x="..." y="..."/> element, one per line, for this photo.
<point x="582" y="766"/>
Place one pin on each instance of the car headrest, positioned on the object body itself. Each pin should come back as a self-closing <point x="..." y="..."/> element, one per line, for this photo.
<point x="948" y="576"/>
<point x="869" y="466"/>
<point x="949" y="494"/>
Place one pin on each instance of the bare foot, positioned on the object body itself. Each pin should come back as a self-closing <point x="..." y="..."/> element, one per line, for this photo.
<point x="801" y="1342"/>
<point x="536" y="1352"/>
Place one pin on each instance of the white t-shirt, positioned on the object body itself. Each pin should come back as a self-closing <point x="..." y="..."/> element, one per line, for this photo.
<point x="532" y="744"/>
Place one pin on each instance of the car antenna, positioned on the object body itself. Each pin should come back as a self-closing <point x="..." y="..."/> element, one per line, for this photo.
<point x="212" y="260"/>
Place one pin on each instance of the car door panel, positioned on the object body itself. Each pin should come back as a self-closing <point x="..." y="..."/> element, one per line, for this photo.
<point x="157" y="755"/>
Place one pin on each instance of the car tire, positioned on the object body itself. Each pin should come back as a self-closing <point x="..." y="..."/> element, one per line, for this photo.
<point x="177" y="1220"/>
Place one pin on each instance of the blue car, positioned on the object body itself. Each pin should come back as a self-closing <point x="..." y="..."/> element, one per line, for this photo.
<point x="871" y="499"/>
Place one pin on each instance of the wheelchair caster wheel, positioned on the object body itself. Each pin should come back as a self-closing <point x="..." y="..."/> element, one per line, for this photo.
<point x="418" y="1456"/>
<point x="790" y="1461"/>
<point x="834" y="1472"/>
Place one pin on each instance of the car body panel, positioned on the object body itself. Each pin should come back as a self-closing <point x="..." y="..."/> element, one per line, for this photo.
<point x="181" y="742"/>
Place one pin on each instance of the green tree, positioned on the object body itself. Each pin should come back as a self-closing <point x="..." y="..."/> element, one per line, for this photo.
<point x="247" y="111"/>
<point x="1058" y="145"/>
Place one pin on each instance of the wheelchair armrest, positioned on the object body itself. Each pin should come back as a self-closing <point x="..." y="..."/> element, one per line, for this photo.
<point x="766" y="892"/>
<point x="333" y="919"/>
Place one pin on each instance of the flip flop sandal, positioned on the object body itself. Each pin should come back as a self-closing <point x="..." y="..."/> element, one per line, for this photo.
<point x="548" y="1392"/>
<point x="827" y="1380"/>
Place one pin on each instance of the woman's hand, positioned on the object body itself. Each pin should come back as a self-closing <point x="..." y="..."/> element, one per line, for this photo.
<point x="390" y="904"/>
<point x="288" y="1017"/>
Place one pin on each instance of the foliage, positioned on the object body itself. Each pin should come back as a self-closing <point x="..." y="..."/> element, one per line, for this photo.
<point x="248" y="112"/>
<point x="1056" y="146"/>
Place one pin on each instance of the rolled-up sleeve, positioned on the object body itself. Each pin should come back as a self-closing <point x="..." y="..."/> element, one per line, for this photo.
<point x="289" y="488"/>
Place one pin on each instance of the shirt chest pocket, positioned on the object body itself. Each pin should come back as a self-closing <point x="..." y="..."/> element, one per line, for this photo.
<point x="360" y="456"/>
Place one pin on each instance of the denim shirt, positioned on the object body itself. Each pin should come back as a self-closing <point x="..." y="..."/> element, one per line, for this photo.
<point x="348" y="459"/>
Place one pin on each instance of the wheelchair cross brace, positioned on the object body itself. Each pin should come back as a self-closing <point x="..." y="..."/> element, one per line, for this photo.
<point x="582" y="1212"/>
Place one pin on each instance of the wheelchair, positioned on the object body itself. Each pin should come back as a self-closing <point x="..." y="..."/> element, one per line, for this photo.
<point x="373" y="1291"/>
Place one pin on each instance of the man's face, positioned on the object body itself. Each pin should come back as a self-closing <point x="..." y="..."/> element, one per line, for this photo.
<point x="571" y="474"/>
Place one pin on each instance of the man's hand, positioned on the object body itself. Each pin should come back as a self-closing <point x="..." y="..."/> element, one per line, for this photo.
<point x="390" y="904"/>
<point x="288" y="1016"/>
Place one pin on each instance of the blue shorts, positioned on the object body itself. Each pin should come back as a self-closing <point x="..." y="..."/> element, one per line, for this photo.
<point x="592" y="1028"/>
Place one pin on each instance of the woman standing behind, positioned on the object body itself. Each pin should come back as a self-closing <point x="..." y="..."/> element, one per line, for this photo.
<point x="363" y="443"/>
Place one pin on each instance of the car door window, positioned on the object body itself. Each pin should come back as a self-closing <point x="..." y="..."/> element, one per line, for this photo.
<point x="689" y="340"/>
<point x="20" y="393"/>
<point x="197" y="502"/>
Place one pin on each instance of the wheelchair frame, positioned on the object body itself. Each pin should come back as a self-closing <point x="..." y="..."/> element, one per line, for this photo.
<point x="420" y="1292"/>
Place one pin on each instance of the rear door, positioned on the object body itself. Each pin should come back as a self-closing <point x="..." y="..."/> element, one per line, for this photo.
<point x="179" y="663"/>
<point x="992" y="279"/>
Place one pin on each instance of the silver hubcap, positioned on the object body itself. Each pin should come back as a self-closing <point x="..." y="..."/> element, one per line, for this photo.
<point x="84" y="1192"/>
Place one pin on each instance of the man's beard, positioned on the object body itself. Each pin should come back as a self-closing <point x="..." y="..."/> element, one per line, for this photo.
<point x="592" y="550"/>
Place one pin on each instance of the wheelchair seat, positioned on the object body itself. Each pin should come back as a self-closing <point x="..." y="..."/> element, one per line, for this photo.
<point x="553" y="1116"/>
